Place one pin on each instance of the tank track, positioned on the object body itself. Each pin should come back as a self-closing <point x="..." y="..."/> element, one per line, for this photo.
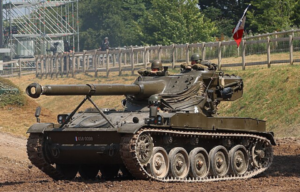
<point x="132" y="163"/>
<point x="37" y="156"/>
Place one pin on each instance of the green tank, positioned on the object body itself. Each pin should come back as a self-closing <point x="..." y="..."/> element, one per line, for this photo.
<point x="168" y="131"/>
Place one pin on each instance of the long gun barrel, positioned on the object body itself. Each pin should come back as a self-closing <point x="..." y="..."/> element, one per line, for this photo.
<point x="147" y="89"/>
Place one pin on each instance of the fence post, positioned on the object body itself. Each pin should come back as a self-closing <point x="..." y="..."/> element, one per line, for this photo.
<point x="203" y="51"/>
<point x="144" y="58"/>
<point x="268" y="52"/>
<point x="276" y="42"/>
<point x="219" y="55"/>
<point x="51" y="65"/>
<point x="159" y="52"/>
<point x="137" y="57"/>
<point x="62" y="63"/>
<point x="132" y="61"/>
<point x="125" y="58"/>
<point x="244" y="54"/>
<point x="36" y="66"/>
<point x="114" y="59"/>
<point x="187" y="53"/>
<point x="291" y="50"/>
<point x="83" y="61"/>
<point x="94" y="62"/>
<point x="173" y="56"/>
<point x="46" y="65"/>
<point x="68" y="63"/>
<point x="120" y="62"/>
<point x="73" y="65"/>
<point x="56" y="65"/>
<point x="107" y="62"/>
<point x="20" y="69"/>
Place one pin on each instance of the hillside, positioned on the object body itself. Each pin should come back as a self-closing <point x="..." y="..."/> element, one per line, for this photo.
<point x="269" y="94"/>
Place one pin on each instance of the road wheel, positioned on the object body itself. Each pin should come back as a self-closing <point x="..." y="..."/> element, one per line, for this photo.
<point x="239" y="160"/>
<point x="199" y="163"/>
<point x="179" y="162"/>
<point x="159" y="163"/>
<point x="219" y="161"/>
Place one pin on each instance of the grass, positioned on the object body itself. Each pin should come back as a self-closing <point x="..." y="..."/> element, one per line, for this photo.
<point x="271" y="94"/>
<point x="13" y="97"/>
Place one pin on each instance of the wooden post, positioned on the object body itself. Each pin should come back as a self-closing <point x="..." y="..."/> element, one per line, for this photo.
<point x="159" y="52"/>
<point x="73" y="64"/>
<point x="37" y="66"/>
<point x="268" y="52"/>
<point x="51" y="65"/>
<point x="291" y="50"/>
<point x="120" y="62"/>
<point x="187" y="53"/>
<point x="137" y="57"/>
<point x="276" y="42"/>
<point x="84" y="61"/>
<point x="125" y="58"/>
<point x="203" y="51"/>
<point x="173" y="56"/>
<point x="56" y="65"/>
<point x="132" y="61"/>
<point x="68" y="63"/>
<point x="244" y="54"/>
<point x="107" y="63"/>
<point x="148" y="55"/>
<point x="144" y="57"/>
<point x="94" y="62"/>
<point x="46" y="66"/>
<point x="61" y="65"/>
<point x="114" y="59"/>
<point x="20" y="68"/>
<point x="219" y="55"/>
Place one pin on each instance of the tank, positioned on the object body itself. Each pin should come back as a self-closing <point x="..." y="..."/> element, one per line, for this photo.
<point x="169" y="131"/>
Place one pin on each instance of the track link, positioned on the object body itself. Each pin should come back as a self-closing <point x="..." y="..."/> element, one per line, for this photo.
<point x="129" y="156"/>
<point x="36" y="155"/>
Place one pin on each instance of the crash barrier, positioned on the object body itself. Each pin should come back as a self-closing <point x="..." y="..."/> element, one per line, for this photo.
<point x="223" y="53"/>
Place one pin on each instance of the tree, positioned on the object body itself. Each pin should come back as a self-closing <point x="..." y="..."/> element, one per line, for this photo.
<point x="175" y="21"/>
<point x="225" y="13"/>
<point x="271" y="15"/>
<point x="101" y="18"/>
<point x="295" y="16"/>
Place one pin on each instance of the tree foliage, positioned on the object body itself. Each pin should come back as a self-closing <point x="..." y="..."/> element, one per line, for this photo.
<point x="225" y="13"/>
<point x="136" y="22"/>
<point x="271" y="15"/>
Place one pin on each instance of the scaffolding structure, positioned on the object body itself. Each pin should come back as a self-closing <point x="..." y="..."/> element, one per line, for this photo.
<point x="33" y="27"/>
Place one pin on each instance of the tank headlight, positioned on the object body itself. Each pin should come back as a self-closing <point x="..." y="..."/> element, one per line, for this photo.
<point x="159" y="120"/>
<point x="61" y="118"/>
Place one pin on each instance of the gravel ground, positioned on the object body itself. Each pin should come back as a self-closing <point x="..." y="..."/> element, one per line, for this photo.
<point x="17" y="174"/>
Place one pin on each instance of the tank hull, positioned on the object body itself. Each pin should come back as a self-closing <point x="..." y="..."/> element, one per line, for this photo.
<point x="122" y="147"/>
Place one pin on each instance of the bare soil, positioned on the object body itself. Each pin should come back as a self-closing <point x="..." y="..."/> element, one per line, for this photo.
<point x="17" y="174"/>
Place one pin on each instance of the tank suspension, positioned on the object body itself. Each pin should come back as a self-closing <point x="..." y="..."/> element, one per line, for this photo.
<point x="177" y="164"/>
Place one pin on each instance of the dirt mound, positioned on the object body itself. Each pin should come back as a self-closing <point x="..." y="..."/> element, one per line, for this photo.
<point x="17" y="174"/>
<point x="17" y="119"/>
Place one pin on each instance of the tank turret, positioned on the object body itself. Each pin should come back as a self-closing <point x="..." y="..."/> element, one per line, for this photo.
<point x="193" y="92"/>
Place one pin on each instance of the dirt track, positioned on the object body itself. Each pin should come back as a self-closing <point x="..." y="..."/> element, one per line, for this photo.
<point x="17" y="174"/>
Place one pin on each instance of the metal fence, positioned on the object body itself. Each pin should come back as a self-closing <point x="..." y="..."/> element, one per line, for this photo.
<point x="223" y="53"/>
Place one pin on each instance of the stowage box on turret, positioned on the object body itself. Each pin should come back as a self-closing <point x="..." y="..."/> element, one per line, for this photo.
<point x="168" y="131"/>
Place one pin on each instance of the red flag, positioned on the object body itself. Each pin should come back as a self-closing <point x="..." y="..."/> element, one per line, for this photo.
<point x="238" y="31"/>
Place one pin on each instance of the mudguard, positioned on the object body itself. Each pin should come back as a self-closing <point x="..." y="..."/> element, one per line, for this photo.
<point x="39" y="127"/>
